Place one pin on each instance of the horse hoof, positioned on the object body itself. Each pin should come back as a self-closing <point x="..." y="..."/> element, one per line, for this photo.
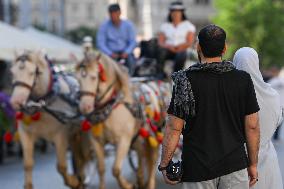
<point x="73" y="182"/>
<point x="81" y="186"/>
<point x="136" y="186"/>
<point x="28" y="186"/>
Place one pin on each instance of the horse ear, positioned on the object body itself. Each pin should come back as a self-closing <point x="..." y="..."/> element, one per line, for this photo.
<point x="74" y="58"/>
<point x="99" y="57"/>
<point x="41" y="57"/>
<point x="16" y="53"/>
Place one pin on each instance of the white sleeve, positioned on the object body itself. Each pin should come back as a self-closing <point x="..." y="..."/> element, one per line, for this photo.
<point x="190" y="27"/>
<point x="163" y="28"/>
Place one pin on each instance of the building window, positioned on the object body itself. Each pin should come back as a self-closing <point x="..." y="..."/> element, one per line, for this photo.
<point x="53" y="6"/>
<point x="53" y="26"/>
<point x="90" y="11"/>
<point x="75" y="7"/>
<point x="202" y="2"/>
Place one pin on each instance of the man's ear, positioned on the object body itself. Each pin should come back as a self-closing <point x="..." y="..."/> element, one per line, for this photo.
<point x="198" y="48"/>
<point x="225" y="49"/>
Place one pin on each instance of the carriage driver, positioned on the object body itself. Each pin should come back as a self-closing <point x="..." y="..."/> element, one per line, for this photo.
<point x="116" y="38"/>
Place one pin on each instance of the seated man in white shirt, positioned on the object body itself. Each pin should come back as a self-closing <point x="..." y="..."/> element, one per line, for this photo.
<point x="175" y="37"/>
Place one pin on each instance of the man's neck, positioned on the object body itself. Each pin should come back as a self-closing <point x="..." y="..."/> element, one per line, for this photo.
<point x="117" y="23"/>
<point x="211" y="60"/>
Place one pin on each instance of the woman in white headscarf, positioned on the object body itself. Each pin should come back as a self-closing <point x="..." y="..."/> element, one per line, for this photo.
<point x="270" y="116"/>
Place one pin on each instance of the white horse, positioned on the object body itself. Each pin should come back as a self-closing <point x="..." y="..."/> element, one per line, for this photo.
<point x="102" y="82"/>
<point x="33" y="78"/>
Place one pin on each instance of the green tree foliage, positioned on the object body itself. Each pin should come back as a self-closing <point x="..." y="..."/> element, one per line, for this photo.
<point x="77" y="35"/>
<point x="255" y="23"/>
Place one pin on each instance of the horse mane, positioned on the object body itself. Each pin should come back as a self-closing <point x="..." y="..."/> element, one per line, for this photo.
<point x="121" y="75"/>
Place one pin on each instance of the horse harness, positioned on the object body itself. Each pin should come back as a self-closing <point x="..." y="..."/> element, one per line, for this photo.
<point x="102" y="111"/>
<point x="43" y="103"/>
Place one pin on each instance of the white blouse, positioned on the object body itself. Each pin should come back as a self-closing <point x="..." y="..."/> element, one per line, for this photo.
<point x="176" y="35"/>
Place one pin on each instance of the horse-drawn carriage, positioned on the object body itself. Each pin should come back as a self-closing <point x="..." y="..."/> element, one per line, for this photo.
<point x="102" y="106"/>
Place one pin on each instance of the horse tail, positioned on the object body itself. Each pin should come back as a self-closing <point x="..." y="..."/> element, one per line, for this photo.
<point x="81" y="153"/>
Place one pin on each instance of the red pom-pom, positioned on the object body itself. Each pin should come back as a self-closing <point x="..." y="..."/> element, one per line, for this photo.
<point x="19" y="115"/>
<point x="157" y="116"/>
<point x="154" y="128"/>
<point x="144" y="133"/>
<point x="160" y="138"/>
<point x="148" y="121"/>
<point x="142" y="98"/>
<point x="85" y="126"/>
<point x="36" y="116"/>
<point x="8" y="137"/>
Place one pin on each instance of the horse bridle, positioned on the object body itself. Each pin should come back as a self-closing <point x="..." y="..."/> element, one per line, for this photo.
<point x="22" y="60"/>
<point x="94" y="94"/>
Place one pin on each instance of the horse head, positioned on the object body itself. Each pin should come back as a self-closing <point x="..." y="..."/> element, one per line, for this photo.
<point x="88" y="73"/>
<point x="29" y="76"/>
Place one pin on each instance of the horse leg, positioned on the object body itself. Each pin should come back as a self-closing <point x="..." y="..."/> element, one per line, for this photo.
<point x="138" y="147"/>
<point x="140" y="171"/>
<point x="100" y="155"/>
<point x="61" y="144"/>
<point x="121" y="153"/>
<point x="27" y="142"/>
<point x="152" y="157"/>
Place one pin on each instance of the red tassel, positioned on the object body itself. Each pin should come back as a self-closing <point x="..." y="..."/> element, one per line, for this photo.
<point x="102" y="73"/>
<point x="8" y="137"/>
<point x="36" y="116"/>
<point x="153" y="127"/>
<point x="142" y="98"/>
<point x="144" y="133"/>
<point x="19" y="115"/>
<point x="160" y="139"/>
<point x="157" y="116"/>
<point x="85" y="126"/>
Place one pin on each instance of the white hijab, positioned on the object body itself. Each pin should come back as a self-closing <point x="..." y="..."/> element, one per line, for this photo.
<point x="270" y="114"/>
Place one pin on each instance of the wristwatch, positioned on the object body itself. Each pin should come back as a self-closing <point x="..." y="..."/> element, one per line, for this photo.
<point x="160" y="168"/>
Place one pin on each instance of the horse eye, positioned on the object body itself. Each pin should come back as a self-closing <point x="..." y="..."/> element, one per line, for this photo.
<point x="93" y="77"/>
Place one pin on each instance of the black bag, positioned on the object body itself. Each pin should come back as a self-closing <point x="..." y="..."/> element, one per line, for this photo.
<point x="174" y="171"/>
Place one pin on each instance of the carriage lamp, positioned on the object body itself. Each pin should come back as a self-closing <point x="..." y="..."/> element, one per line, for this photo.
<point x="85" y="125"/>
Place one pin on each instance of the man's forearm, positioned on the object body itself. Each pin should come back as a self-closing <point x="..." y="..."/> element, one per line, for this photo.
<point x="253" y="139"/>
<point x="171" y="138"/>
